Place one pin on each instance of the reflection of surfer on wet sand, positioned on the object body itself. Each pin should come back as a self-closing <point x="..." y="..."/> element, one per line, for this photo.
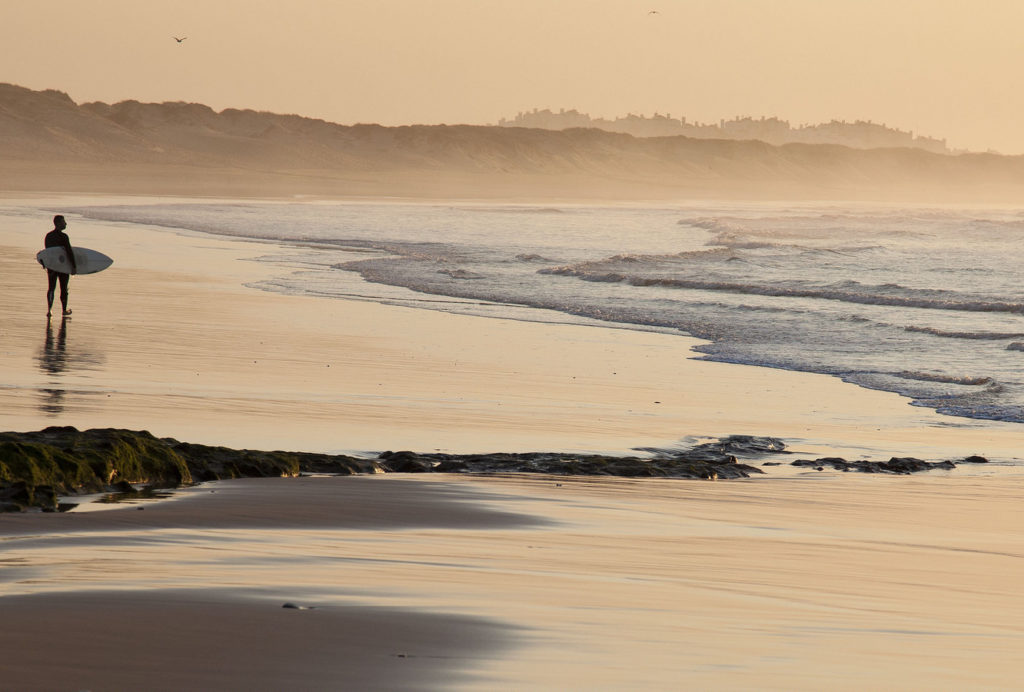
<point x="54" y="356"/>
<point x="61" y="359"/>
<point x="54" y="360"/>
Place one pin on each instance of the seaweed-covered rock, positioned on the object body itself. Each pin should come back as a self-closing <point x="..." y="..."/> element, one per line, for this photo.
<point x="64" y="460"/>
<point x="16" y="496"/>
<point x="36" y="467"/>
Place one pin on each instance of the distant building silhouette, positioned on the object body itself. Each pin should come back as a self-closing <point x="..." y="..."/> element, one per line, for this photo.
<point x="859" y="134"/>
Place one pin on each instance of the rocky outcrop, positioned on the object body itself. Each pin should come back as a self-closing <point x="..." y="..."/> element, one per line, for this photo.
<point x="898" y="465"/>
<point x="683" y="465"/>
<point x="36" y="468"/>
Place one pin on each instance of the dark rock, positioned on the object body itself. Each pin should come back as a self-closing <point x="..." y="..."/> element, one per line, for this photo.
<point x="905" y="465"/>
<point x="630" y="469"/>
<point x="45" y="496"/>
<point x="897" y="465"/>
<point x="17" y="493"/>
<point x="818" y="464"/>
<point x="404" y="454"/>
<point x="975" y="459"/>
<point x="206" y="475"/>
<point x="405" y="462"/>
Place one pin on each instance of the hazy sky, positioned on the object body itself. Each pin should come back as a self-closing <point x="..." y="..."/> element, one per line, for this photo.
<point x="947" y="68"/>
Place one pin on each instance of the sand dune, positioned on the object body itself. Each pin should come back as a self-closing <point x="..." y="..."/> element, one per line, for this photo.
<point x="48" y="142"/>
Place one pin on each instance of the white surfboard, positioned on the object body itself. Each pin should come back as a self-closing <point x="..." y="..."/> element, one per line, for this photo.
<point x="86" y="261"/>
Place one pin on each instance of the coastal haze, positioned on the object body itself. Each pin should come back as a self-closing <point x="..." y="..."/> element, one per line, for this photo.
<point x="266" y="99"/>
<point x="935" y="67"/>
<point x="539" y="273"/>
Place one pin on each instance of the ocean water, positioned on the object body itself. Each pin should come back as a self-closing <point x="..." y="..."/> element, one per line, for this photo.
<point x="924" y="302"/>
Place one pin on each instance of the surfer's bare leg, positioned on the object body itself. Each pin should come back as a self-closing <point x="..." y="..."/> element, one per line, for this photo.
<point x="51" y="277"/>
<point x="64" y="292"/>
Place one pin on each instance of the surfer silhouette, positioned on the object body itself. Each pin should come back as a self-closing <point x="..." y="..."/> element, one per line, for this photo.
<point x="58" y="238"/>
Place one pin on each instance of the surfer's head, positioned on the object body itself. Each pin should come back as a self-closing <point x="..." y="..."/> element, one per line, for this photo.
<point x="59" y="223"/>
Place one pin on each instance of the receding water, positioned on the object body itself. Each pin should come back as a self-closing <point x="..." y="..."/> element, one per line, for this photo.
<point x="925" y="302"/>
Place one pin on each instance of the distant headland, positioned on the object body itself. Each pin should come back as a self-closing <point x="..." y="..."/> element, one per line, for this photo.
<point x="859" y="134"/>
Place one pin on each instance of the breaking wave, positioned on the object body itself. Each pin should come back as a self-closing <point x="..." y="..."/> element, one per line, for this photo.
<point x="910" y="298"/>
<point x="978" y="336"/>
<point x="948" y="379"/>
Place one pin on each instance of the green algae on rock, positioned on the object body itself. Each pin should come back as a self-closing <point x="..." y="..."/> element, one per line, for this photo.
<point x="64" y="460"/>
<point x="36" y="467"/>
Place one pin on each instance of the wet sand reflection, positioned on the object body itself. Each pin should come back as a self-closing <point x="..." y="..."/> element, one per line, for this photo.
<point x="54" y="356"/>
<point x="57" y="360"/>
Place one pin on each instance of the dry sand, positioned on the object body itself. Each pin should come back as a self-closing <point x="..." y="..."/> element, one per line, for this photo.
<point x="795" y="581"/>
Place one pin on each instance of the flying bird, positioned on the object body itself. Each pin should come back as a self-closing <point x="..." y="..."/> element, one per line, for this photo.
<point x="179" y="40"/>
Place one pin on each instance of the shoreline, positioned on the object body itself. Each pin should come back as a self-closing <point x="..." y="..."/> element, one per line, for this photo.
<point x="248" y="368"/>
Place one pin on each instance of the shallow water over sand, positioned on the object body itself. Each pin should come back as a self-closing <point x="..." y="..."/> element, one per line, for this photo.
<point x="924" y="302"/>
<point x="626" y="584"/>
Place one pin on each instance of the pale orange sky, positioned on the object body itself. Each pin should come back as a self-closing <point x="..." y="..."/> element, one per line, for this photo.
<point x="945" y="68"/>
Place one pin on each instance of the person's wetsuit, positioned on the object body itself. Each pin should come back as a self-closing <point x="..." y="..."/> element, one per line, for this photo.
<point x="58" y="238"/>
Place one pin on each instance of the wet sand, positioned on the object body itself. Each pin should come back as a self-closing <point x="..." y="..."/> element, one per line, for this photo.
<point x="169" y="597"/>
<point x="851" y="582"/>
<point x="798" y="580"/>
<point x="219" y="640"/>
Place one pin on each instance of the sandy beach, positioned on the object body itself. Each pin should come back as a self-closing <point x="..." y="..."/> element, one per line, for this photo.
<point x="851" y="582"/>
<point x="796" y="580"/>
